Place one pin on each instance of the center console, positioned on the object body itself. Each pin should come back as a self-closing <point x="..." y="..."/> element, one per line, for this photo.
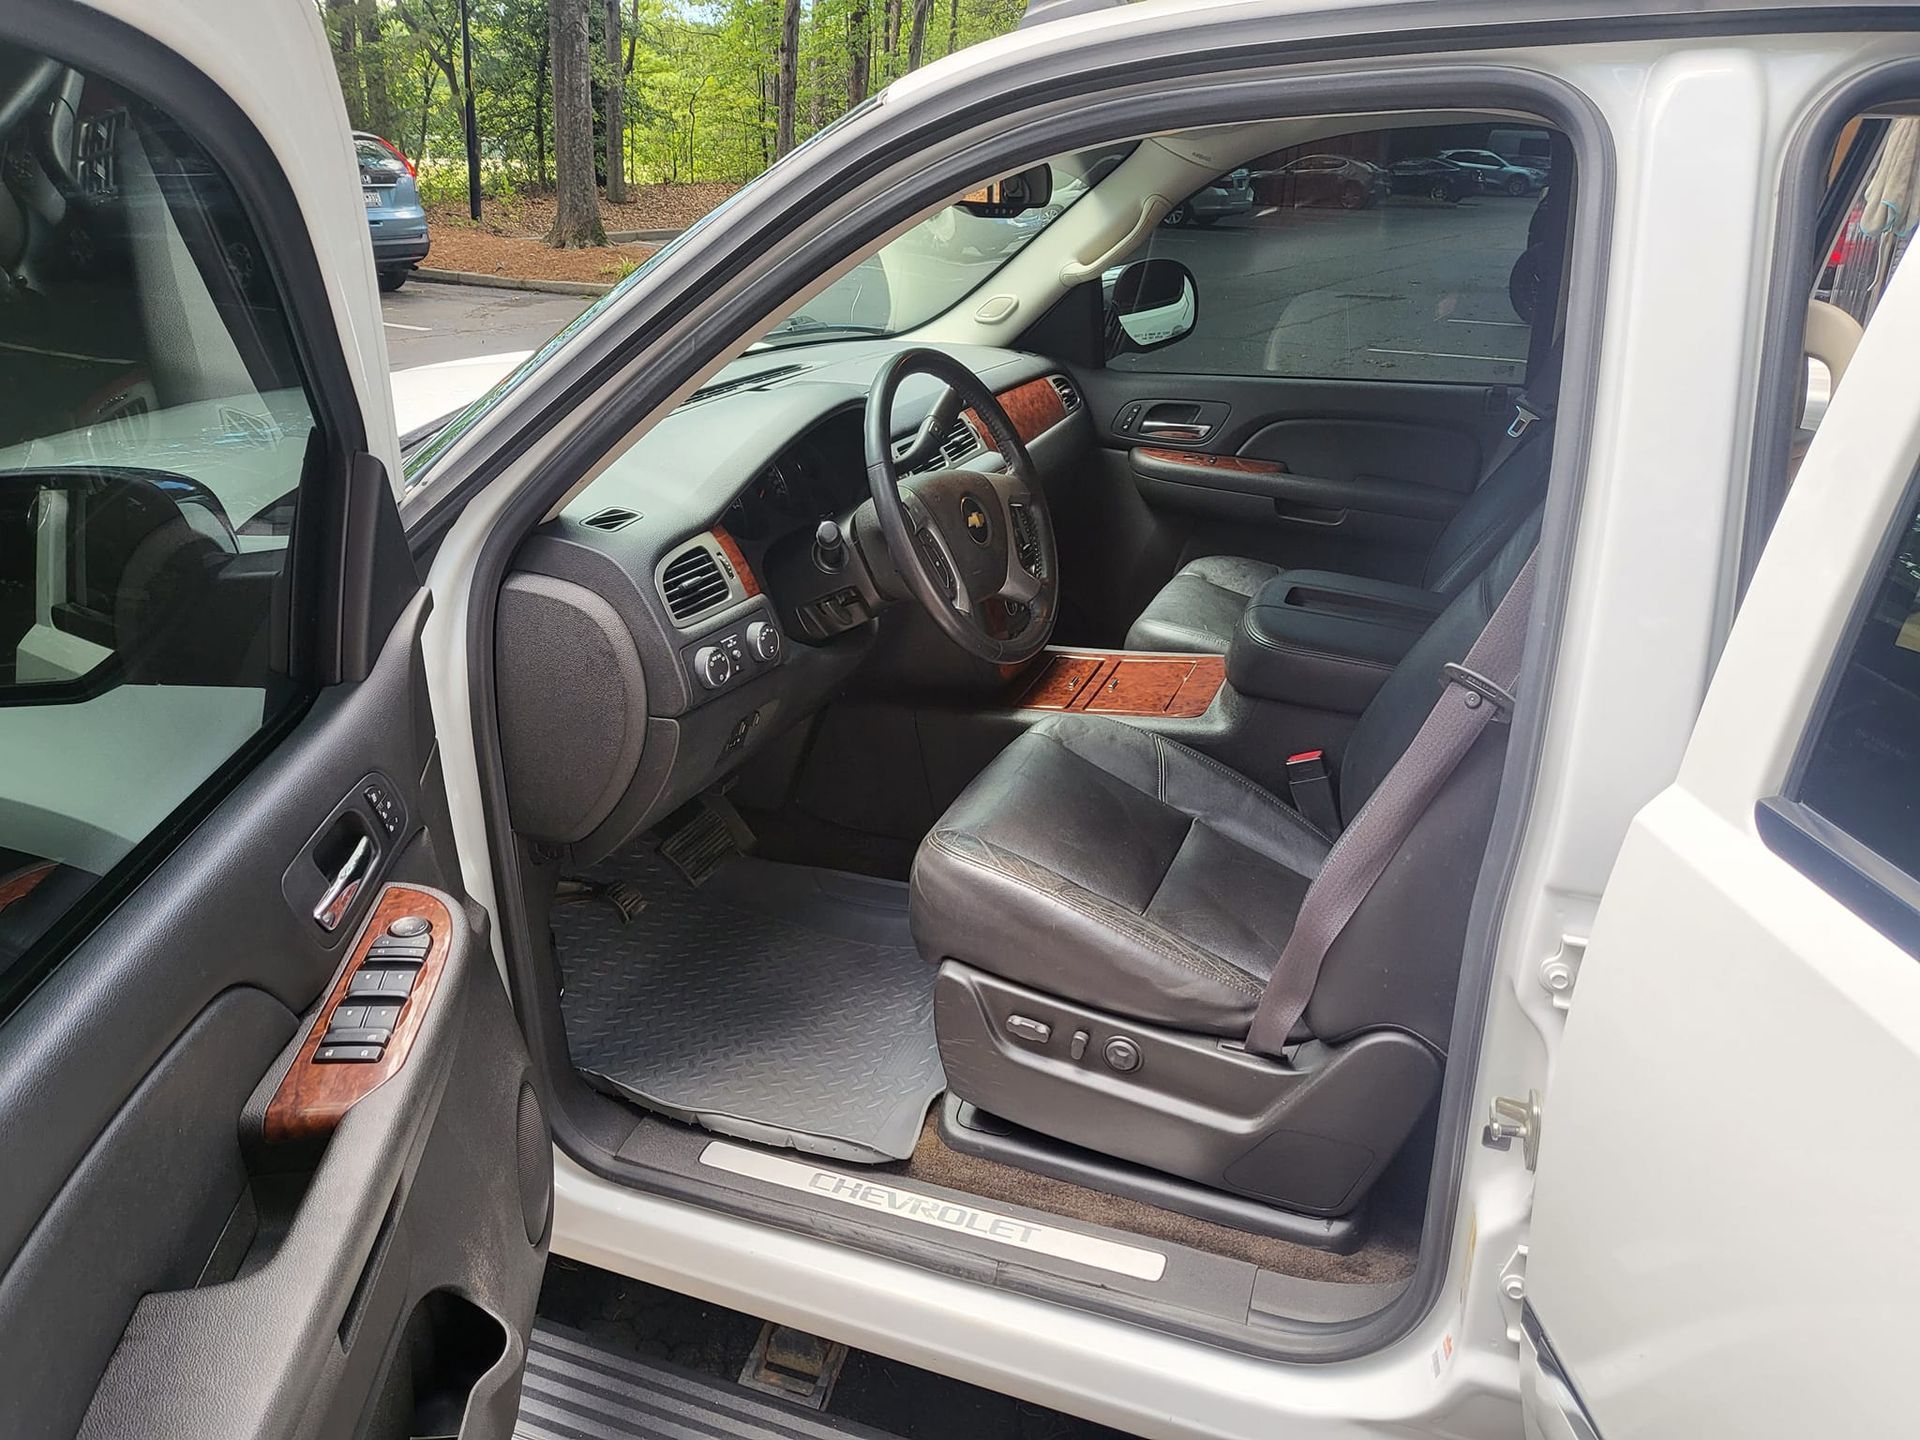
<point x="1326" y="640"/>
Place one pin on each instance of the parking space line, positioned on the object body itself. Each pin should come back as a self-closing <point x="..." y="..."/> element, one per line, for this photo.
<point x="1445" y="355"/>
<point x="396" y="325"/>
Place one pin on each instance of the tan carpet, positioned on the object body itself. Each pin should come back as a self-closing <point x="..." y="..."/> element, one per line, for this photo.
<point x="1387" y="1254"/>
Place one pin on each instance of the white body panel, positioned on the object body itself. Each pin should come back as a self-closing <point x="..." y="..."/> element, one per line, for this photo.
<point x="1665" y="481"/>
<point x="1723" y="1231"/>
<point x="1665" y="474"/>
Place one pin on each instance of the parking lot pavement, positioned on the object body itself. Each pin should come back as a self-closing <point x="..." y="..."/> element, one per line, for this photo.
<point x="1410" y="290"/>
<point x="427" y="323"/>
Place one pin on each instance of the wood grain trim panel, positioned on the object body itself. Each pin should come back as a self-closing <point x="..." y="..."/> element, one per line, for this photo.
<point x="23" y="883"/>
<point x="737" y="558"/>
<point x="312" y="1098"/>
<point x="1194" y="459"/>
<point x="1034" y="408"/>
<point x="1178" y="687"/>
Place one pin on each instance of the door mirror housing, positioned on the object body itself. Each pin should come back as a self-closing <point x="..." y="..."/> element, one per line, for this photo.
<point x="122" y="565"/>
<point x="1149" y="303"/>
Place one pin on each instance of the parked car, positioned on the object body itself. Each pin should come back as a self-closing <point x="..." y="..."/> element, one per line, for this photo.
<point x="1434" y="178"/>
<point x="1323" y="180"/>
<point x="395" y="216"/>
<point x="1434" y="956"/>
<point x="1231" y="194"/>
<point x="1497" y="174"/>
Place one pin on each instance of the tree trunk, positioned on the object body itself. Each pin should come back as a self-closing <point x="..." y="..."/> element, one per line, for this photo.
<point x="917" y="40"/>
<point x="859" y="52"/>
<point x="343" y="30"/>
<point x="576" y="218"/>
<point x="890" y="39"/>
<point x="789" y="80"/>
<point x="426" y="109"/>
<point x="540" y="112"/>
<point x="382" y="119"/>
<point x="616" y="111"/>
<point x="953" y="26"/>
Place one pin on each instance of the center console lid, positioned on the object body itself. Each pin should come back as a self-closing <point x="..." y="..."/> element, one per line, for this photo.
<point x="1325" y="640"/>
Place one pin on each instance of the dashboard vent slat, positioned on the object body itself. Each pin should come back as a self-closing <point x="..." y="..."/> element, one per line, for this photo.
<point x="1064" y="388"/>
<point x="611" y="518"/>
<point x="692" y="584"/>
<point x="959" y="445"/>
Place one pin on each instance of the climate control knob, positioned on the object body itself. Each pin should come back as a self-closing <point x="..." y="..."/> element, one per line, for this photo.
<point x="764" y="641"/>
<point x="713" y="665"/>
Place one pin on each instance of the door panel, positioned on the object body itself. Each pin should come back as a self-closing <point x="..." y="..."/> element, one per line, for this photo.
<point x="1356" y="476"/>
<point x="1727" y="1160"/>
<point x="239" y="1270"/>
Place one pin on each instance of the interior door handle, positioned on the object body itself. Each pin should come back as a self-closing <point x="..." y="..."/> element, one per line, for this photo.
<point x="338" y="898"/>
<point x="1176" y="429"/>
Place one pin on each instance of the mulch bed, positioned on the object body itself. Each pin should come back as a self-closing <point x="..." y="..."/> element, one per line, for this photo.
<point x="508" y="241"/>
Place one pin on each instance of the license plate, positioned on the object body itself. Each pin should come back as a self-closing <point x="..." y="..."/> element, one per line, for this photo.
<point x="372" y="197"/>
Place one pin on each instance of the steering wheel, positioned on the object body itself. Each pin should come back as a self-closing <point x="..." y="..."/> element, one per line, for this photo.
<point x="974" y="546"/>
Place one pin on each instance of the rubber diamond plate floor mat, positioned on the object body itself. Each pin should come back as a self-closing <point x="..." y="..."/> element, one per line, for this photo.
<point x="774" y="1003"/>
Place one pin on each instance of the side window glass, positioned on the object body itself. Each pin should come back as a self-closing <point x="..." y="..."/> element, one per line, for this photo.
<point x="1862" y="771"/>
<point x="151" y="448"/>
<point x="1368" y="256"/>
<point x="1882" y="217"/>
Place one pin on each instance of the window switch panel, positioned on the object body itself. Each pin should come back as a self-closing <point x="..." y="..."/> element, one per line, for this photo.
<point x="347" y="1054"/>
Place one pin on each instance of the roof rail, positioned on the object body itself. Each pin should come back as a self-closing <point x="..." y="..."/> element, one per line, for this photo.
<point x="1039" y="12"/>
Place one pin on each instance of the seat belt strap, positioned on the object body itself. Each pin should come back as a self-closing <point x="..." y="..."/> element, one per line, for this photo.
<point x="1478" y="693"/>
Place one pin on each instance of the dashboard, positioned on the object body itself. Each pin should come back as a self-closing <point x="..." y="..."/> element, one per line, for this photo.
<point x="820" y="475"/>
<point x="675" y="614"/>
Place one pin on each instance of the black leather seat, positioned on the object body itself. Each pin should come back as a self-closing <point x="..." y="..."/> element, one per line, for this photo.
<point x="1149" y="889"/>
<point x="1200" y="608"/>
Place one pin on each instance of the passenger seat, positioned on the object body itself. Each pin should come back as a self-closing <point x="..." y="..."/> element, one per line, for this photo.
<point x="1201" y="607"/>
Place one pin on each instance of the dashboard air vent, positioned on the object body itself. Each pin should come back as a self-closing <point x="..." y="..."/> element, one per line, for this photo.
<point x="961" y="444"/>
<point x="1063" y="387"/>
<point x="611" y="518"/>
<point x="692" y="583"/>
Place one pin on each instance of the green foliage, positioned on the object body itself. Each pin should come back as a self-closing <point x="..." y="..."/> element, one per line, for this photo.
<point x="700" y="78"/>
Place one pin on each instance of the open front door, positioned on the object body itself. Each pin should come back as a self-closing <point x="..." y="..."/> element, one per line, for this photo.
<point x="1723" y="1237"/>
<point x="272" y="1162"/>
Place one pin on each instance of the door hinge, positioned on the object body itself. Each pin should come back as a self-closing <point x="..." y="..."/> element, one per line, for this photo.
<point x="1560" y="971"/>
<point x="1513" y="1120"/>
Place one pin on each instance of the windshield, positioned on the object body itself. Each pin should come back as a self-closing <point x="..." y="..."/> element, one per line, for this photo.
<point x="938" y="263"/>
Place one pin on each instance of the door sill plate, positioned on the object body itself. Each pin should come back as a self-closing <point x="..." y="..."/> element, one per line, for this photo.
<point x="936" y="1213"/>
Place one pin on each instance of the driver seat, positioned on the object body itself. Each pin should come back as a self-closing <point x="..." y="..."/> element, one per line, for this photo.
<point x="1106" y="906"/>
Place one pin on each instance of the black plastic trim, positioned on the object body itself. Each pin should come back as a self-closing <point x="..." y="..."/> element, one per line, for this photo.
<point x="1144" y="93"/>
<point x="1875" y="889"/>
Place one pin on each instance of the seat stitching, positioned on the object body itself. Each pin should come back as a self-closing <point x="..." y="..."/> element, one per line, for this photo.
<point x="1155" y="938"/>
<point x="1280" y="807"/>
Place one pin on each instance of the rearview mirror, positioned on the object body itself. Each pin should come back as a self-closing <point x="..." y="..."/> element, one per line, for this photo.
<point x="117" y="565"/>
<point x="1149" y="303"/>
<point x="1014" y="195"/>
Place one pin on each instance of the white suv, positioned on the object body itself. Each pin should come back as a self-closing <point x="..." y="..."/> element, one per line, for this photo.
<point x="1295" y="828"/>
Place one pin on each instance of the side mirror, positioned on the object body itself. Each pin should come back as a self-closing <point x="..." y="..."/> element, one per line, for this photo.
<point x="1150" y="303"/>
<point x="122" y="562"/>
<point x="1004" y="199"/>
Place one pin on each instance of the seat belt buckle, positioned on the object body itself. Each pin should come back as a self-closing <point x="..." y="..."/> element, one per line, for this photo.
<point x="1310" y="784"/>
<point x="1480" y="691"/>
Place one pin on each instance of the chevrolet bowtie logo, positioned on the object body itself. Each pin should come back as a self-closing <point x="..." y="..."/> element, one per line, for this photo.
<point x="977" y="525"/>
